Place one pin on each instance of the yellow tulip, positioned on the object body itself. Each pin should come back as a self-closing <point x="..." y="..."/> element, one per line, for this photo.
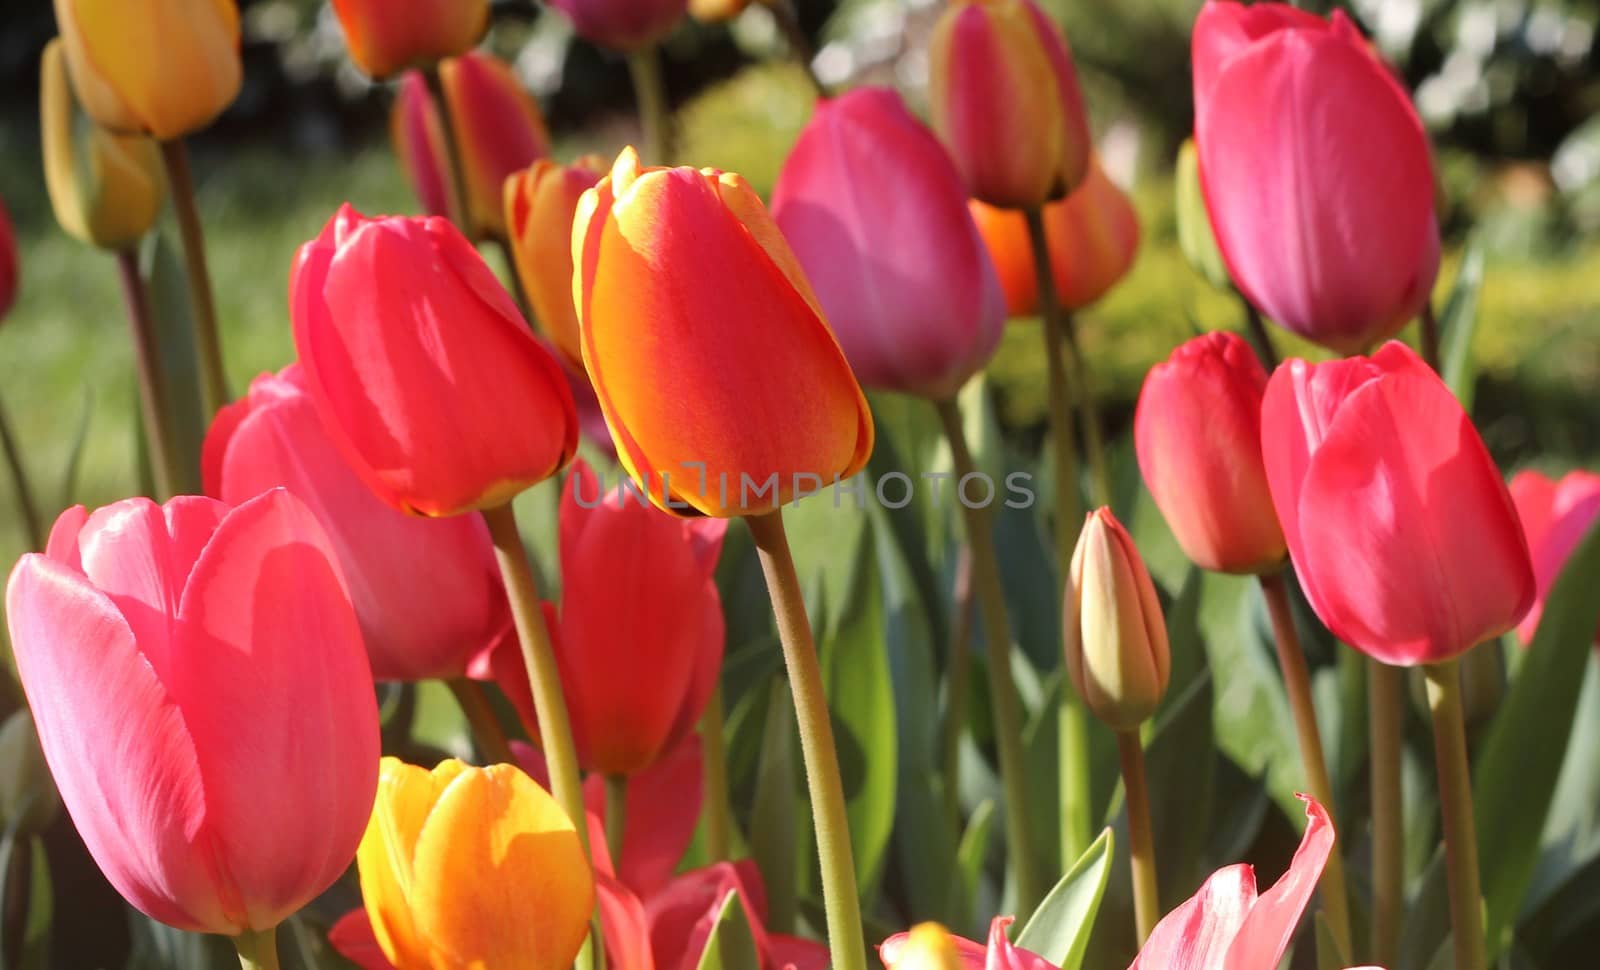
<point x="160" y="67"/>
<point x="466" y="868"/>
<point x="106" y="189"/>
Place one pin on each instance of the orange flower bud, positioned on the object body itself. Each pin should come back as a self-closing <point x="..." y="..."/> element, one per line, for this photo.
<point x="539" y="205"/>
<point x="387" y="36"/>
<point x="722" y="384"/>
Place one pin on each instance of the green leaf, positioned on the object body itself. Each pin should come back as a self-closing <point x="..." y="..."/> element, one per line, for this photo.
<point x="1329" y="954"/>
<point x="1059" y="929"/>
<point x="172" y="318"/>
<point x="1516" y="774"/>
<point x="41" y="912"/>
<point x="961" y="908"/>
<point x="731" y="945"/>
<point x="773" y="815"/>
<point x="24" y="876"/>
<point x="1181" y="766"/>
<point x="1458" y="324"/>
<point x="1572" y="829"/>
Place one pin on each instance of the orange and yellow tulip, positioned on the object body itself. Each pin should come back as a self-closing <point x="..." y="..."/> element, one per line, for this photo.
<point x="161" y="67"/>
<point x="387" y="36"/>
<point x="466" y="868"/>
<point x="539" y="205"/>
<point x="716" y="370"/>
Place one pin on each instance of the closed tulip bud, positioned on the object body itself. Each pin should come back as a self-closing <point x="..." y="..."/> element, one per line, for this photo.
<point x="1555" y="517"/>
<point x="1115" y="637"/>
<point x="473" y="867"/>
<point x="418" y="624"/>
<point x="28" y="798"/>
<point x="8" y="263"/>
<point x="623" y="25"/>
<point x="1197" y="432"/>
<point x="1005" y="100"/>
<point x="716" y="11"/>
<point x="387" y="36"/>
<point x="203" y="701"/>
<point x="1093" y="235"/>
<point x="877" y="217"/>
<point x="1374" y="468"/>
<point x="106" y="189"/>
<point x="1195" y="238"/>
<point x="417" y="134"/>
<point x="499" y="130"/>
<point x="1343" y="252"/>
<point x="539" y="206"/>
<point x="425" y="374"/>
<point x="162" y="67"/>
<point x="923" y="947"/>
<point x="715" y="367"/>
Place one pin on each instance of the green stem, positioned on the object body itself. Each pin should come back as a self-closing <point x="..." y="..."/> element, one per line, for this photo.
<point x="516" y="289"/>
<point x="1141" y="843"/>
<point x="955" y="717"/>
<point x="616" y="815"/>
<point x="714" y="759"/>
<point x="1455" y="805"/>
<point x="1297" y="683"/>
<point x="486" y="729"/>
<point x="990" y="589"/>
<point x="799" y="44"/>
<point x="1429" y="326"/>
<point x="208" y="345"/>
<point x="1259" y="335"/>
<point x="655" y="116"/>
<point x="1089" y="413"/>
<point x="27" y="509"/>
<point x="455" y="176"/>
<point x="258" y="950"/>
<point x="170" y="477"/>
<point x="1385" y="700"/>
<point x="840" y="899"/>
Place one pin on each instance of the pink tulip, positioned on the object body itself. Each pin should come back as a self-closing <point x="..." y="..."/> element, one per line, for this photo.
<point x="683" y="914"/>
<point x="1397" y="521"/>
<point x="999" y="954"/>
<point x="624" y="25"/>
<point x="1316" y="172"/>
<point x="419" y="623"/>
<point x="1555" y="516"/>
<point x="877" y="215"/>
<point x="202" y="698"/>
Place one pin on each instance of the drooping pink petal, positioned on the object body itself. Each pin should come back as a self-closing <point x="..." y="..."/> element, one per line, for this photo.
<point x="1266" y="931"/>
<point x="1196" y="935"/>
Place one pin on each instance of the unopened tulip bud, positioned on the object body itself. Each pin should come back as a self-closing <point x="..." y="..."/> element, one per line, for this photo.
<point x="26" y="788"/>
<point x="387" y="36"/>
<point x="1115" y="637"/>
<point x="1005" y="101"/>
<point x="106" y="189"/>
<point x="928" y="946"/>
<point x="1195" y="236"/>
<point x="540" y="202"/>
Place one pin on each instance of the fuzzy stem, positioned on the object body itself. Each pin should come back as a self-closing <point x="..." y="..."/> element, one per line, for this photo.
<point x="486" y="729"/>
<point x="258" y="950"/>
<point x="1141" y="843"/>
<point x="1385" y="700"/>
<point x="1455" y="805"/>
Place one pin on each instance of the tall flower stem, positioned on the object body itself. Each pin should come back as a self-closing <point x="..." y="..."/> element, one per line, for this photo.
<point x="1141" y="843"/>
<point x="486" y="729"/>
<point x="170" y="478"/>
<point x="957" y="678"/>
<point x="788" y="19"/>
<point x="1089" y="413"/>
<point x="655" y="116"/>
<point x="208" y="346"/>
<point x="714" y="772"/>
<point x="1259" y="335"/>
<point x="1020" y="845"/>
<point x="1455" y="804"/>
<point x="517" y="292"/>
<point x="1073" y="720"/>
<point x="27" y="509"/>
<point x="455" y="178"/>
<point x="616" y="815"/>
<point x="258" y="950"/>
<point x="1385" y="699"/>
<point x="1297" y="682"/>
<point x="840" y="899"/>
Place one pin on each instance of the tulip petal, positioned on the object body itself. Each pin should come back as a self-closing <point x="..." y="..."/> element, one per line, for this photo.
<point x="1266" y="931"/>
<point x="405" y="797"/>
<point x="352" y="937"/>
<point x="627" y="929"/>
<point x="663" y="808"/>
<point x="1197" y="934"/>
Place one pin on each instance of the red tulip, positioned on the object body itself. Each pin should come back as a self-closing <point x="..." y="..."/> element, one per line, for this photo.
<point x="1397" y="520"/>
<point x="202" y="698"/>
<point x="624" y="25"/>
<point x="499" y="130"/>
<point x="1555" y="518"/>
<point x="424" y="372"/>
<point x="999" y="954"/>
<point x="352" y="937"/>
<point x="1197" y="432"/>
<point x="876" y="214"/>
<point x="386" y="36"/>
<point x="418" y="623"/>
<point x="1316" y="172"/>
<point x="8" y="263"/>
<point x="682" y="916"/>
<point x="417" y="134"/>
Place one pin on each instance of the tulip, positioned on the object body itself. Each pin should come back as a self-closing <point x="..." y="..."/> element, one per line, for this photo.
<point x="1004" y="98"/>
<point x="353" y="938"/>
<point x="203" y="701"/>
<point x="1115" y="637"/>
<point x="1093" y="235"/>
<point x="725" y="390"/>
<point x="623" y="25"/>
<point x="424" y="372"/>
<point x="905" y="951"/>
<point x="417" y="623"/>
<point x="1555" y="517"/>
<point x="8" y="263"/>
<point x="1197" y="432"/>
<point x="1373" y="467"/>
<point x="876" y="214"/>
<point x="716" y="11"/>
<point x="162" y="67"/>
<point x="387" y="36"/>
<point x="539" y="206"/>
<point x="417" y="134"/>
<point x="499" y="130"/>
<point x="106" y="189"/>
<point x="682" y="916"/>
<point x="1195" y="237"/>
<point x="473" y="867"/>
<point x="1342" y="251"/>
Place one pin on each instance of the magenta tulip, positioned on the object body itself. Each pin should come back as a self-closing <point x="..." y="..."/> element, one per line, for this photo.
<point x="1397" y="521"/>
<point x="1555" y="515"/>
<point x="418" y="623"/>
<point x="624" y="25"/>
<point x="201" y="694"/>
<point x="1316" y="173"/>
<point x="877" y="215"/>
